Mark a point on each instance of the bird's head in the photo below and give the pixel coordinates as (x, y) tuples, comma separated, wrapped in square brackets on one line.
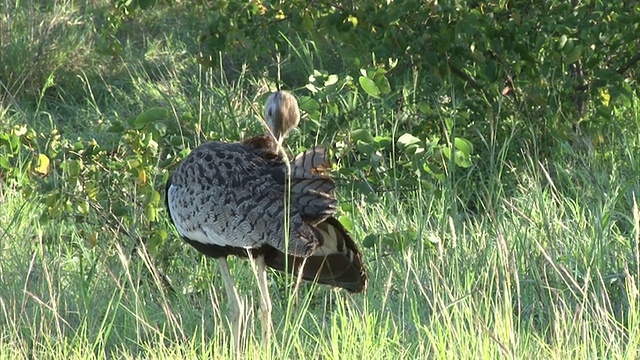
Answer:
[(282, 114)]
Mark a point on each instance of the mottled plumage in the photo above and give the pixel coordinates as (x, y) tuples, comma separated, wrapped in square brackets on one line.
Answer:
[(227, 198), (232, 199)]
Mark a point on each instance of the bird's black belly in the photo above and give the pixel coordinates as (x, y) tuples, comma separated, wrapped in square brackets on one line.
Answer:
[(217, 251)]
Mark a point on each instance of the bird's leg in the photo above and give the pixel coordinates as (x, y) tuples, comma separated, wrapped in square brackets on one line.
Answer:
[(236, 307), (296, 288), (260, 271)]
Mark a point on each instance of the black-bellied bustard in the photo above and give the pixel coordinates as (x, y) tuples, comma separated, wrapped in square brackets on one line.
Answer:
[(242, 199)]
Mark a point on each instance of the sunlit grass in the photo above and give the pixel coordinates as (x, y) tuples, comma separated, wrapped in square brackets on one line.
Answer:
[(487, 296)]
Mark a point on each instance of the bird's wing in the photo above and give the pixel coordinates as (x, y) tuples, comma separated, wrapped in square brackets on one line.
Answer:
[(312, 191), (225, 194)]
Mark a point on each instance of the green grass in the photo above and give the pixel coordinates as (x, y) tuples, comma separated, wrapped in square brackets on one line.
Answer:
[(546, 267)]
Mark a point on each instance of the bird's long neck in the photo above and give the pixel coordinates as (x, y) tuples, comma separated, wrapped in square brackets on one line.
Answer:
[(277, 129)]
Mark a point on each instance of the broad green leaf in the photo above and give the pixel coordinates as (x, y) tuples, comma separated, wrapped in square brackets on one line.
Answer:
[(624, 100), (447, 152), (14, 144), (346, 206), (463, 145), (366, 149), (574, 55), (380, 72), (449, 124), (362, 135), (370, 240), (382, 141), (369, 86), (151, 212), (177, 140), (154, 198), (73, 167), (407, 139), (410, 144), (184, 152), (308, 104), (460, 158), (568, 46), (4, 162), (346, 222), (151, 115), (383, 84), (156, 240)]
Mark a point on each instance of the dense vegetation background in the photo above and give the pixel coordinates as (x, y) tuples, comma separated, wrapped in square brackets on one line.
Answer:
[(487, 155)]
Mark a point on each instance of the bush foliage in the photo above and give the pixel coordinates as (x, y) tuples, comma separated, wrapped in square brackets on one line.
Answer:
[(446, 83)]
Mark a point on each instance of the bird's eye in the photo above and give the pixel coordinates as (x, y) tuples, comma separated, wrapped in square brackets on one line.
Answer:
[(270, 113)]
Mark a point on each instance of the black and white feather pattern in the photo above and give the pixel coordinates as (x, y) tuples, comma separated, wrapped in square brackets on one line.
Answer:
[(229, 198)]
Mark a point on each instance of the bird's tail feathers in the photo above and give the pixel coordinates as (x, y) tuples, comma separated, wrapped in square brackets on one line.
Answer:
[(337, 261)]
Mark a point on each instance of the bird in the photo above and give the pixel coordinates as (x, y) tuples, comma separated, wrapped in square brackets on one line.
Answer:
[(247, 199)]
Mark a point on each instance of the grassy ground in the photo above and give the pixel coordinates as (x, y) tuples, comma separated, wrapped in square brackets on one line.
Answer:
[(547, 267)]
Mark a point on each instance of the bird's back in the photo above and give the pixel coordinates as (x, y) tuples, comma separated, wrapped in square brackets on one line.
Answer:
[(225, 194), (230, 198)]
